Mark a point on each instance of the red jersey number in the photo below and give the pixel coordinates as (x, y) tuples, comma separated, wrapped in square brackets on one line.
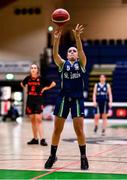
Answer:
[(33, 88)]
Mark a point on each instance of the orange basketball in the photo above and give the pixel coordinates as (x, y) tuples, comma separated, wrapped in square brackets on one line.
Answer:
[(60, 16)]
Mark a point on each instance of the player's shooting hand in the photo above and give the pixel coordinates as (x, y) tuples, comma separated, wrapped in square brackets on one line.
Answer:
[(57, 33), (79, 29)]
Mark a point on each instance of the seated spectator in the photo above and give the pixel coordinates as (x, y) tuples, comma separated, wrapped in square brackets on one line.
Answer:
[(12, 114)]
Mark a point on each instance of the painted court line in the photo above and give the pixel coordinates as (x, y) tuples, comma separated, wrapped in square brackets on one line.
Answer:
[(76, 162), (54, 170)]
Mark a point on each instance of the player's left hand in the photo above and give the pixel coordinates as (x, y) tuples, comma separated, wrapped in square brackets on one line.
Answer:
[(58, 32), (110, 105), (44, 89), (79, 29)]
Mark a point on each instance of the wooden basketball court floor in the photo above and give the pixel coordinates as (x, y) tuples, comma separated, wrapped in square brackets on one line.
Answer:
[(107, 155)]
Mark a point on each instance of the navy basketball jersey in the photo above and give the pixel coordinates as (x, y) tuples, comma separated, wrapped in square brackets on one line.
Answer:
[(72, 79), (102, 92)]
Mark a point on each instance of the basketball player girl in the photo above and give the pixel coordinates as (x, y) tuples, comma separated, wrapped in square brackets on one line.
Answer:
[(71, 95), (36, 85), (102, 100)]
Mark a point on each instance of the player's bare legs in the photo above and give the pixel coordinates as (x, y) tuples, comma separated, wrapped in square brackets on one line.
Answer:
[(34, 130), (58, 127), (96, 121), (104, 123), (34, 127), (79, 130), (38, 118), (78, 124)]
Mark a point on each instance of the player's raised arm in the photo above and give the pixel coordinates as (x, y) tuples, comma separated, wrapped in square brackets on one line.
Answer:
[(77, 32), (57, 58)]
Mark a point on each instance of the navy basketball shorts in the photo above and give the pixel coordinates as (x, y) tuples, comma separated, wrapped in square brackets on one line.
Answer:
[(34, 105), (66, 104), (102, 108)]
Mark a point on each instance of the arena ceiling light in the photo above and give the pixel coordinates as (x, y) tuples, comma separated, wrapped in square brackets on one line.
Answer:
[(50, 28), (9, 76)]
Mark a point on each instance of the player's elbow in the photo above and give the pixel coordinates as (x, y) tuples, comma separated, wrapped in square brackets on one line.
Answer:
[(21, 85)]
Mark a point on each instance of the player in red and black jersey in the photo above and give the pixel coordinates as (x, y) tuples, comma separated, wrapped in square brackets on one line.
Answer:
[(36, 85)]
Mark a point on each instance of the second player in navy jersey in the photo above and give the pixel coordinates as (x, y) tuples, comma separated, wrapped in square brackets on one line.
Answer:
[(71, 95), (102, 99)]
